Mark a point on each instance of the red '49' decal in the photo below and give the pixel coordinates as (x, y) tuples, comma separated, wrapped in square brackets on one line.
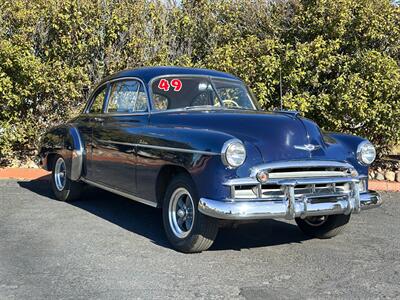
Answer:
[(165, 85)]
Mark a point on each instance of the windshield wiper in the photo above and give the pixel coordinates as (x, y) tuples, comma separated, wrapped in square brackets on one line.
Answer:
[(202, 106)]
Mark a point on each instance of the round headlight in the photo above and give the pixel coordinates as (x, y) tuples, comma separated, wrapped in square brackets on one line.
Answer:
[(366, 153), (233, 153)]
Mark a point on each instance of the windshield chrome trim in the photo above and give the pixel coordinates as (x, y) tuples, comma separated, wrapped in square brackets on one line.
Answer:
[(202, 109)]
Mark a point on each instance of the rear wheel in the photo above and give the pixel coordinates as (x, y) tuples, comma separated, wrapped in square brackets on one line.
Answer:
[(323, 227), (187, 230), (64, 188)]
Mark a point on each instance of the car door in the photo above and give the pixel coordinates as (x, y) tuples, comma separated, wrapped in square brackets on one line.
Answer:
[(116, 134)]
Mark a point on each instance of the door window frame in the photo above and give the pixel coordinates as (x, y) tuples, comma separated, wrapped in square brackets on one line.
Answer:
[(115, 113), (93, 97), (108, 91)]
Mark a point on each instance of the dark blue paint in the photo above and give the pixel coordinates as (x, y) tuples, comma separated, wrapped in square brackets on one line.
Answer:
[(268, 136)]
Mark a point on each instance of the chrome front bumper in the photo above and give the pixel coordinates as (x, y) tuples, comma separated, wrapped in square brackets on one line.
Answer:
[(290, 207)]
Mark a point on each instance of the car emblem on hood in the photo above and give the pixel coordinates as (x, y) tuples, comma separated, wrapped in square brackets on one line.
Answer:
[(307, 147)]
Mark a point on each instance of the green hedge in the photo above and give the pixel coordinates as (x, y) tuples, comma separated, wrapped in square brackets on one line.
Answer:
[(340, 60)]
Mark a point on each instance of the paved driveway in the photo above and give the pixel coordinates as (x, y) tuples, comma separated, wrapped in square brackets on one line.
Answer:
[(108, 247)]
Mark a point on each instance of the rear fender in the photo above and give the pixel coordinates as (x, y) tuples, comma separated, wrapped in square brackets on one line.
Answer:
[(65, 141)]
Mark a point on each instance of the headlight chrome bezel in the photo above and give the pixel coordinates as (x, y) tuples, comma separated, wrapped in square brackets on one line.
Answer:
[(361, 153), (228, 145)]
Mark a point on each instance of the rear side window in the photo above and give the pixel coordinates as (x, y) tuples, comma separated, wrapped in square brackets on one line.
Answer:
[(97, 103), (127, 96)]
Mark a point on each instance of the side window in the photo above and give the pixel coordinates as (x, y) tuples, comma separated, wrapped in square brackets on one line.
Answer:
[(126, 97), (97, 103)]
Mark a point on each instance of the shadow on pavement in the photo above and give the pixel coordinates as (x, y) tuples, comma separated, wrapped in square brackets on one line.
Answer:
[(147, 221)]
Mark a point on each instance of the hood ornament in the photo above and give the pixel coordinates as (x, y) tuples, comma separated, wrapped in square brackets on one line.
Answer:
[(307, 147)]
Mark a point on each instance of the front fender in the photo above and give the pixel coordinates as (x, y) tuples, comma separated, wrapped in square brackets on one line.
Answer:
[(350, 143), (204, 163), (210, 182)]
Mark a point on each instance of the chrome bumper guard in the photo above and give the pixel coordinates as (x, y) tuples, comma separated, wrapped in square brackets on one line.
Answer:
[(294, 206)]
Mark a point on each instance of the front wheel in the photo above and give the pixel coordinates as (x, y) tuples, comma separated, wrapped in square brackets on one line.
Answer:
[(64, 188), (186, 228), (323, 227)]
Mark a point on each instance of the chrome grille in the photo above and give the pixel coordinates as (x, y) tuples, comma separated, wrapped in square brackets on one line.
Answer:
[(309, 178), (269, 191)]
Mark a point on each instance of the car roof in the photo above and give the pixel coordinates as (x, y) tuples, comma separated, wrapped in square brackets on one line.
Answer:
[(148, 73)]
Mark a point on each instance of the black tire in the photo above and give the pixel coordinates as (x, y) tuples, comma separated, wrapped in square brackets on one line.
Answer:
[(203, 230), (332, 226), (71, 190)]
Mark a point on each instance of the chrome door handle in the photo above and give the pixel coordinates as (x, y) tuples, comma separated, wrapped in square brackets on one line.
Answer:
[(98, 120)]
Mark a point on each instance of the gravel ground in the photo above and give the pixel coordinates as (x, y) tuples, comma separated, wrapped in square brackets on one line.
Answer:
[(108, 247)]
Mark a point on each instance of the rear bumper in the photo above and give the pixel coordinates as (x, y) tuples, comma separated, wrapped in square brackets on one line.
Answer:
[(305, 207)]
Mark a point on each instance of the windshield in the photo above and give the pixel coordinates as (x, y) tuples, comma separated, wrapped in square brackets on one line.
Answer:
[(193, 92)]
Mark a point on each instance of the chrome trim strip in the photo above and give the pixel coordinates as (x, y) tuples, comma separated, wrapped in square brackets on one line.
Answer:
[(299, 164), (242, 181), (120, 193), (76, 154), (256, 210), (303, 174), (324, 180), (178, 149), (117, 143), (161, 147), (292, 181)]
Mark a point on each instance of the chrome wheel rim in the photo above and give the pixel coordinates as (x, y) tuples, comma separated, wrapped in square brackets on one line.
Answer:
[(316, 221), (181, 213), (60, 174)]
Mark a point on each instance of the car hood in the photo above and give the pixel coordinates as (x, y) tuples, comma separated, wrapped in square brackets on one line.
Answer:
[(277, 135)]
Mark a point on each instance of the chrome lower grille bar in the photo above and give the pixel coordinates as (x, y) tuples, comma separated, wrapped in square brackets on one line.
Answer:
[(293, 164), (292, 181)]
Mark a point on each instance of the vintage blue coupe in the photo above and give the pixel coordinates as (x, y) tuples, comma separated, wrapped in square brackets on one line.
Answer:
[(194, 143)]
